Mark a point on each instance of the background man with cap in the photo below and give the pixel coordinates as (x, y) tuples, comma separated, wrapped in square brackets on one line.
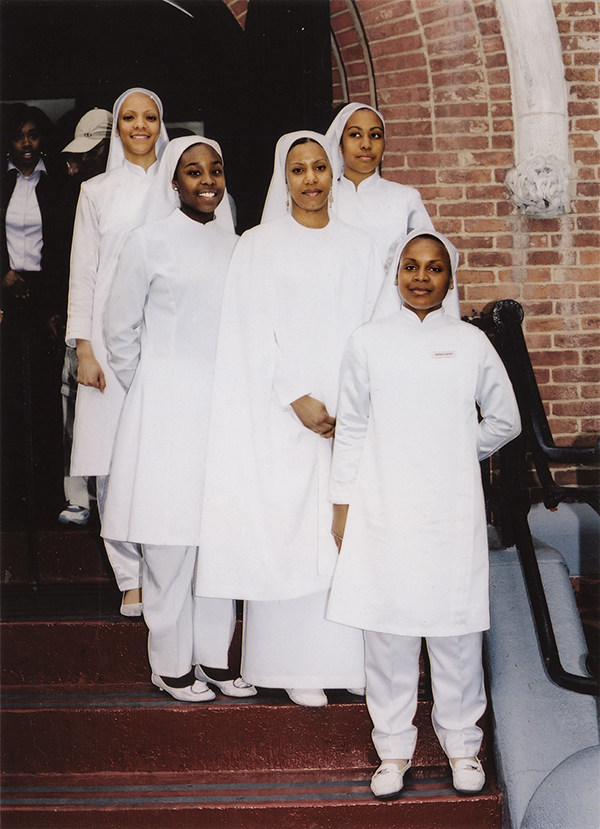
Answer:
[(85, 156)]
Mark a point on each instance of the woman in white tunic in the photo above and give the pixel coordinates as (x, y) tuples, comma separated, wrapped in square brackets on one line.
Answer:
[(297, 286), (414, 559), (385, 209), (109, 207), (160, 329)]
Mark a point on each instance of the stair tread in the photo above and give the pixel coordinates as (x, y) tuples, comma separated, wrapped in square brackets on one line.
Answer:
[(144, 695), (213, 788)]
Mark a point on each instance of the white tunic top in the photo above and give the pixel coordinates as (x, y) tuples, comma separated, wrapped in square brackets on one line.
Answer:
[(292, 298), (110, 207), (414, 560), (163, 312), (387, 210)]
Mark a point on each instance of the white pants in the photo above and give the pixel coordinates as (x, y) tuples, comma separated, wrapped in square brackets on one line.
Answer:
[(290, 644), (392, 668), (184, 629), (124, 556)]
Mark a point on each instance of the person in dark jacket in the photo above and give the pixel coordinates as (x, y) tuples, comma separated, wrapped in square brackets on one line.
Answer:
[(31, 336)]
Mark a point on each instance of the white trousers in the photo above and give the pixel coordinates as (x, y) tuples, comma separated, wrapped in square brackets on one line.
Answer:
[(392, 668), (290, 644), (183, 629), (124, 556)]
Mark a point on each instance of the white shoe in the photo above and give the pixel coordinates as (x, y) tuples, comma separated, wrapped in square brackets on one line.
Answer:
[(74, 514), (359, 692), (198, 692), (468, 776), (312, 697), (230, 687), (388, 780), (131, 609)]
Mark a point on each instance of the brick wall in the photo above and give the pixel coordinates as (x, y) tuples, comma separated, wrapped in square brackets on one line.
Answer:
[(441, 80)]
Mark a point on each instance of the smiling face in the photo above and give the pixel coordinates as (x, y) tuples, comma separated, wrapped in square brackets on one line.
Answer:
[(308, 175), (362, 145), (424, 275), (138, 127), (200, 181), (25, 148)]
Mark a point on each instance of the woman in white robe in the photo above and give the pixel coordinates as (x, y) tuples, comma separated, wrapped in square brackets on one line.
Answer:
[(160, 328), (110, 206), (414, 559), (386, 209), (297, 286)]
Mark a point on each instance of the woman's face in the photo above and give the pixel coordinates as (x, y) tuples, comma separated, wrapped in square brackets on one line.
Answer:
[(362, 144), (309, 177), (200, 182), (138, 126), (424, 275), (26, 146)]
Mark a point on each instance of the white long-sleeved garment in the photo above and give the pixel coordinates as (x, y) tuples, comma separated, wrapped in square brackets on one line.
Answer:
[(385, 209), (293, 296), (160, 325), (414, 561), (110, 207)]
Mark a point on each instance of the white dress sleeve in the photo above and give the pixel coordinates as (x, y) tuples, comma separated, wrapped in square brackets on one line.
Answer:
[(352, 420), (124, 311), (418, 217), (500, 422), (84, 270)]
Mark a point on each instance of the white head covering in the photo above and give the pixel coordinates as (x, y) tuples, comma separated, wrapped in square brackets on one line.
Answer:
[(336, 128), (276, 203), (164, 199), (116, 154), (451, 303)]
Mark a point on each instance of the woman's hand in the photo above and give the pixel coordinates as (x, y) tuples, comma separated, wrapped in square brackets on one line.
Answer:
[(14, 283), (314, 415), (338, 524), (89, 370)]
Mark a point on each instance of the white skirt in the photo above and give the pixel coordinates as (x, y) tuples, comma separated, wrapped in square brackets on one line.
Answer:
[(290, 644)]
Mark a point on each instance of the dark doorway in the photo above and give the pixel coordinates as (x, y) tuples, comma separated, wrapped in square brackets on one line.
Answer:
[(247, 87)]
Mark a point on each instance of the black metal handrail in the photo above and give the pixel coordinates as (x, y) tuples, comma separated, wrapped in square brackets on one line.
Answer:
[(515, 500), (507, 316)]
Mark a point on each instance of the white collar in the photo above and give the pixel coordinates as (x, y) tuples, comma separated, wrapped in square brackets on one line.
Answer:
[(40, 167)]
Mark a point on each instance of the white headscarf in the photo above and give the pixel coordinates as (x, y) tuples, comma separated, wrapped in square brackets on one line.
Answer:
[(276, 203), (336, 129), (116, 154), (164, 199), (451, 303)]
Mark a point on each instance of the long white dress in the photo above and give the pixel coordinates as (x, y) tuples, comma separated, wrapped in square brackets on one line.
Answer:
[(164, 305), (414, 561), (293, 296), (110, 207)]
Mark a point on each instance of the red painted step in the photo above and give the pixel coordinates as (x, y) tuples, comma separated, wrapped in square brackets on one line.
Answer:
[(89, 743), (243, 800), (138, 728)]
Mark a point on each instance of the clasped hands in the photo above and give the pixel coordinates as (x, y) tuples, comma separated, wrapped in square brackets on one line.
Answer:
[(314, 415)]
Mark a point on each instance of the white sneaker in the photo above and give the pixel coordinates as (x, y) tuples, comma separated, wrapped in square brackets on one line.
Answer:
[(312, 697), (388, 780), (468, 776), (230, 687), (74, 514)]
